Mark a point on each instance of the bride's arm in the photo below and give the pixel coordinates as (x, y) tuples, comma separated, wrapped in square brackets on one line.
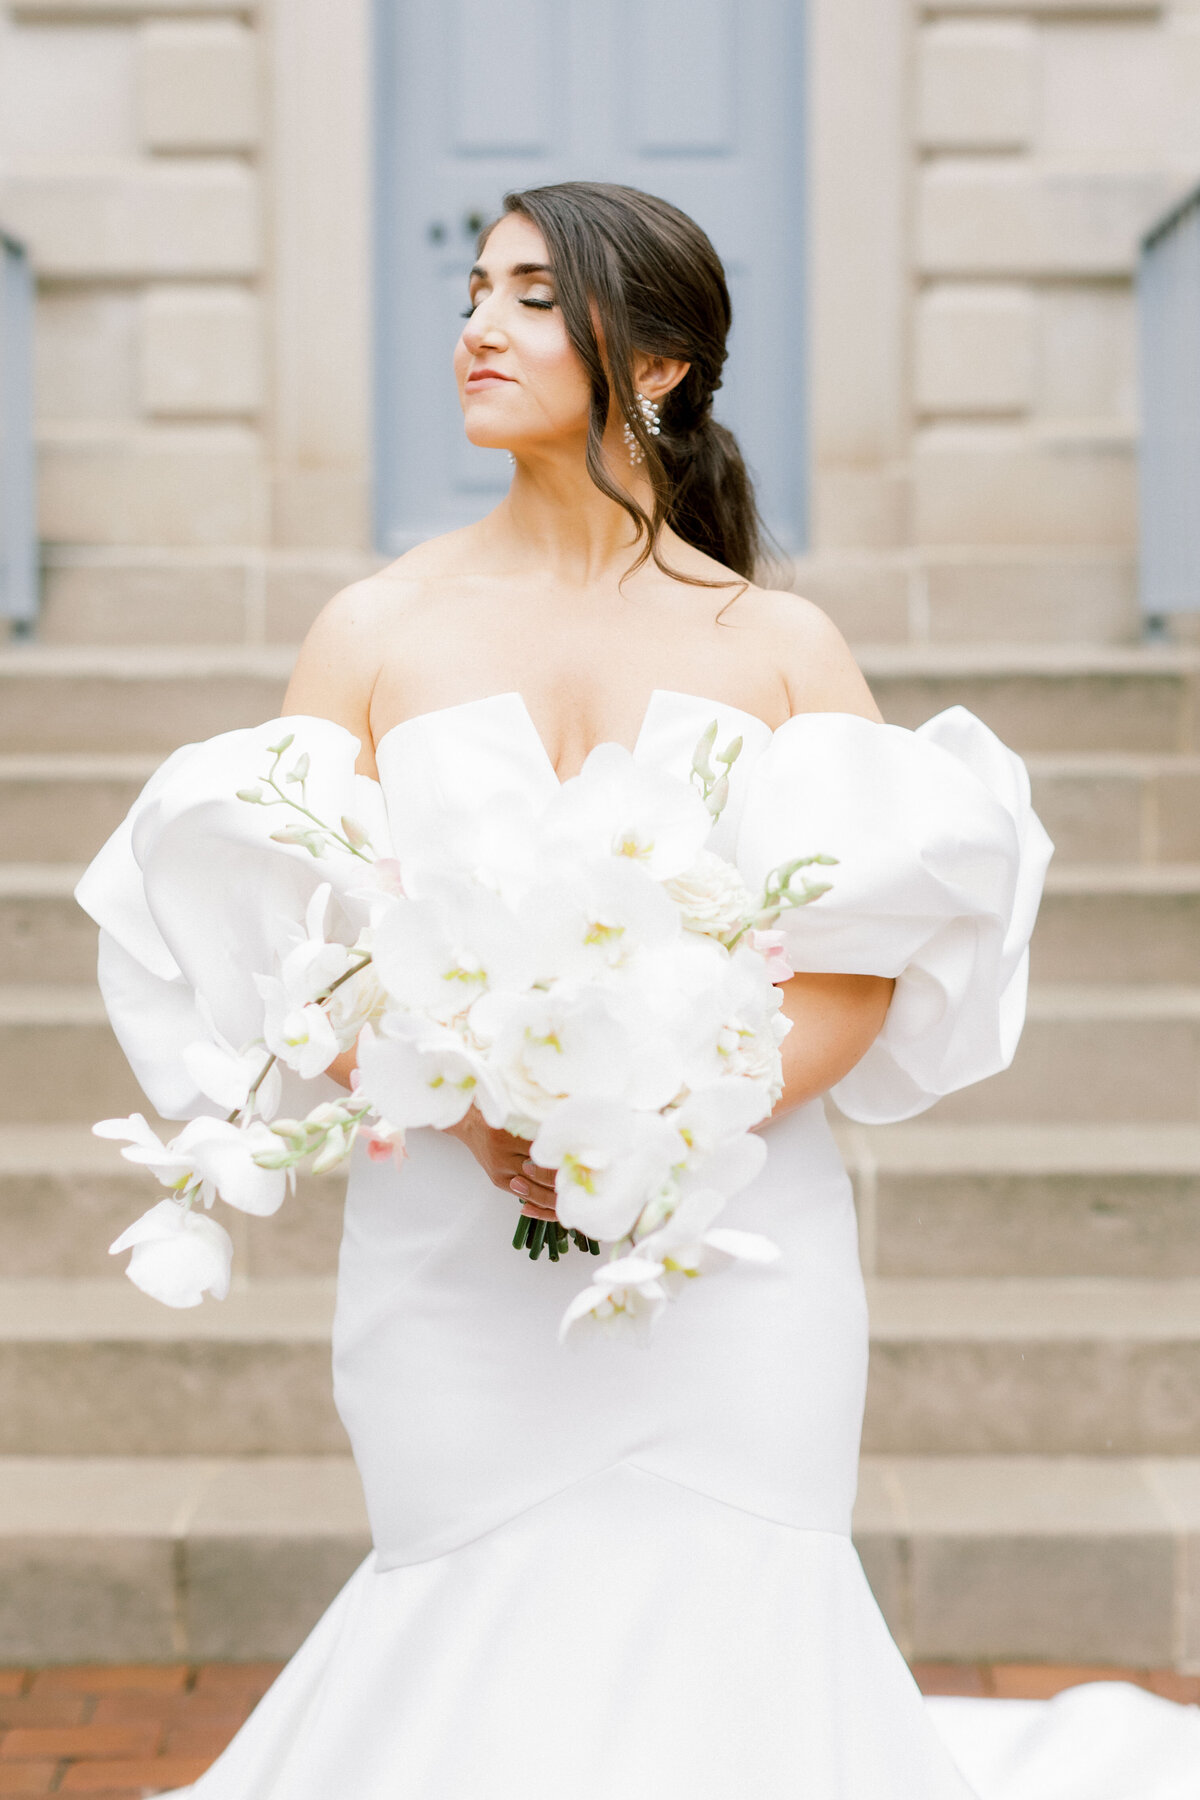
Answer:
[(835, 1020)]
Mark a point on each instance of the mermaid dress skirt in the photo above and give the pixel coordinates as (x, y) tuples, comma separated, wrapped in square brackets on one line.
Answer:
[(622, 1565)]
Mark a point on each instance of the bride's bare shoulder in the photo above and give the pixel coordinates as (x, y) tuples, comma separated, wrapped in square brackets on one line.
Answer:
[(814, 659)]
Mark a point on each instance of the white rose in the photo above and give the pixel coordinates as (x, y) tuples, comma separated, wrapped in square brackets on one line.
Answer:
[(711, 895)]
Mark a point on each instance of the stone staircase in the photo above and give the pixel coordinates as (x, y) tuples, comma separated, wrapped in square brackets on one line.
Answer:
[(178, 1483)]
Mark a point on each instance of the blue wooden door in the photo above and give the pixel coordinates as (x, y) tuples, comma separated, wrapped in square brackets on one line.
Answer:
[(700, 101)]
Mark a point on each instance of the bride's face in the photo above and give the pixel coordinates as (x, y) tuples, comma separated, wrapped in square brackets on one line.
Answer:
[(520, 380)]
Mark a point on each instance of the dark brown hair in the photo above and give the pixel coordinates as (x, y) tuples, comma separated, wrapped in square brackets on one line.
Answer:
[(657, 286)]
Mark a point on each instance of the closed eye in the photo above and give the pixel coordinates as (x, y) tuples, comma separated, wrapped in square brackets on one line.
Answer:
[(541, 305)]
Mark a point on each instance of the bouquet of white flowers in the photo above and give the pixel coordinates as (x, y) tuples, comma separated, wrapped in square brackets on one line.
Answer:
[(590, 976)]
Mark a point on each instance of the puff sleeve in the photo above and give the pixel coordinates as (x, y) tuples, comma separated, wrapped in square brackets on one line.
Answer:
[(941, 862), (190, 893)]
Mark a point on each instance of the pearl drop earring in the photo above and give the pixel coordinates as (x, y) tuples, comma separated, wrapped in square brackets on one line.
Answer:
[(651, 413)]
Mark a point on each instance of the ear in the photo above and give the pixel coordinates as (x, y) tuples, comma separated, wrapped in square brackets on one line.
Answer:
[(655, 376)]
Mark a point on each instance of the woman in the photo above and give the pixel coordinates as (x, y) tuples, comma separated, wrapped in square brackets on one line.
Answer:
[(612, 1567)]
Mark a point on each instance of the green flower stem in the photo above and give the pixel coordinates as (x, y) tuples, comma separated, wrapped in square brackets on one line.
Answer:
[(552, 1242), (537, 1238), (521, 1234)]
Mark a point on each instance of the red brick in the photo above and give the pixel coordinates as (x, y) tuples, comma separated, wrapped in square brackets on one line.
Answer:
[(44, 1709), (216, 1709), (1041, 1681), (1184, 1688), (12, 1681), (80, 1740), (951, 1678), (156, 1774), (27, 1777), (105, 1678), (197, 1740), (252, 1679)]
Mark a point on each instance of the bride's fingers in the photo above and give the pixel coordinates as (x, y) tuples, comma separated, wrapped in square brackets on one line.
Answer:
[(542, 1177)]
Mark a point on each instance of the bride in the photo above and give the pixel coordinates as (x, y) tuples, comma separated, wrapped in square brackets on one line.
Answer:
[(617, 1567)]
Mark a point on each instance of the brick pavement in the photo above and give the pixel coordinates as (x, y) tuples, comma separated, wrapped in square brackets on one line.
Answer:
[(123, 1733)]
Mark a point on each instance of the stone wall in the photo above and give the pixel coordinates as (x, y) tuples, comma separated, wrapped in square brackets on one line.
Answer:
[(193, 177)]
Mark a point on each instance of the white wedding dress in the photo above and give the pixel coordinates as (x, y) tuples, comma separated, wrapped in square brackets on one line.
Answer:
[(614, 1568)]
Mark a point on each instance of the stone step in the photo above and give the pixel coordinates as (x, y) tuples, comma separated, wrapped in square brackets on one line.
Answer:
[(97, 1368), (1022, 1200), (66, 1195), (1104, 1054), (964, 1365), (1043, 1366), (1112, 922), (1100, 1053), (60, 807), (1083, 1560), (933, 1200), (1038, 697), (1119, 922), (44, 936), (1105, 806)]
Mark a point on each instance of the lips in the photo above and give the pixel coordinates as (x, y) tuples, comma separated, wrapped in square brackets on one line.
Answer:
[(478, 377)]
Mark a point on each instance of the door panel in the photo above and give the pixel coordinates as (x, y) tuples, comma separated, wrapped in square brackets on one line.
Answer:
[(699, 101)]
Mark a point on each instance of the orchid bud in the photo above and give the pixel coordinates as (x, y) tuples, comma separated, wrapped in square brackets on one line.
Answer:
[(716, 801), (701, 764), (355, 833), (730, 753), (252, 796), (299, 771), (337, 1148), (284, 743)]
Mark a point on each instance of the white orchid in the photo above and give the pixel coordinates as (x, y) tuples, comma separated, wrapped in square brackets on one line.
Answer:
[(178, 1255), (544, 1047), (297, 1028), (438, 955), (608, 1160), (680, 1244), (213, 1155), (629, 1287), (415, 1073), (597, 919), (616, 806)]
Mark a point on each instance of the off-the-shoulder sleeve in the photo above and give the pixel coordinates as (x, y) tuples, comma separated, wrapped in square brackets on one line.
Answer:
[(941, 861), (190, 892)]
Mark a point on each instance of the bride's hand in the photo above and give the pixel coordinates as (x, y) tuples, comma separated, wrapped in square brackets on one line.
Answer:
[(504, 1159)]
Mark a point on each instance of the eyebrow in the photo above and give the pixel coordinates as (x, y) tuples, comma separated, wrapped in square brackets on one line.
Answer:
[(517, 269)]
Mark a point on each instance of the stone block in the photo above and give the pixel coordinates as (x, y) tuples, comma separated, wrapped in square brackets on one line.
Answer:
[(85, 355), (67, 90), (859, 508), (996, 485), (1083, 1058), (976, 218), (42, 931), (1046, 599), (975, 349), (1091, 813), (867, 598), (172, 219), (1122, 928), (197, 485), (1119, 90), (1047, 1598), (63, 1598), (321, 509), (1177, 795), (142, 602), (62, 810), (201, 352), (59, 1059), (1087, 354), (133, 701), (261, 1599), (1116, 1222), (54, 10), (976, 86), (198, 85)]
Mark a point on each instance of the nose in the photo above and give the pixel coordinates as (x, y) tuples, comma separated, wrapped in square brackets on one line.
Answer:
[(481, 330)]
